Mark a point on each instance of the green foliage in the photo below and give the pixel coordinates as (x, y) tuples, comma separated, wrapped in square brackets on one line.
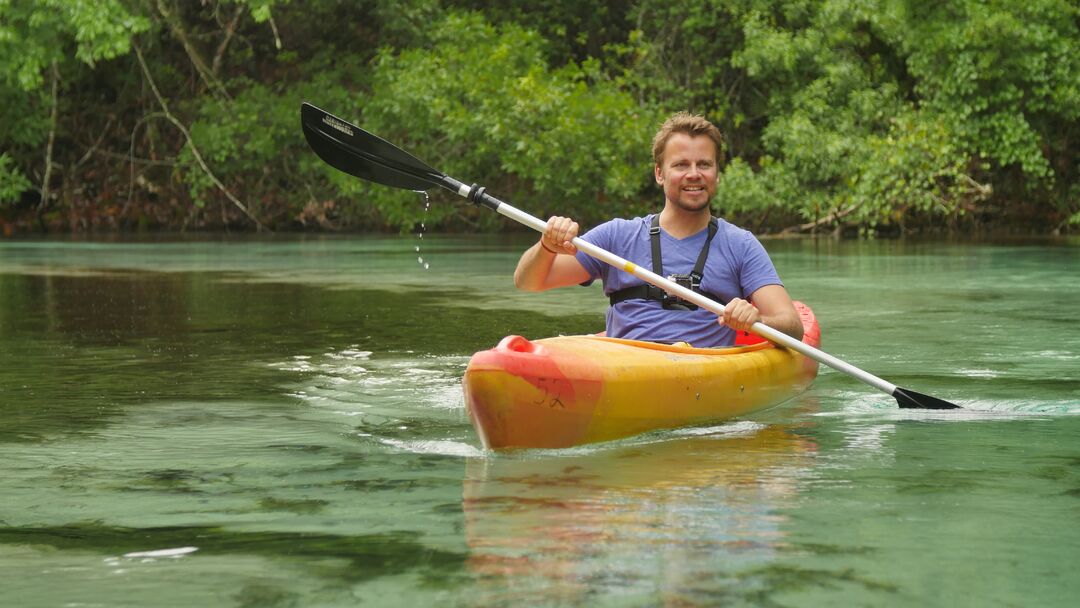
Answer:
[(12, 182), (22, 125), (880, 114), (260, 9), (36, 33), (743, 191), (253, 142), (1012, 78), (573, 31), (483, 104), (36, 38), (404, 23), (885, 109), (914, 167), (25, 127)]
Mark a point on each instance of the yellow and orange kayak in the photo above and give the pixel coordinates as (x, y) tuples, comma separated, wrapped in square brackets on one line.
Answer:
[(570, 390)]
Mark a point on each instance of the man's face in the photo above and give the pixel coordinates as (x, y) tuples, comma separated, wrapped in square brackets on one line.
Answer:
[(688, 172)]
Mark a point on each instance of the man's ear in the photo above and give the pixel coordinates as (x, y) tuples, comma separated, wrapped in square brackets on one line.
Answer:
[(659, 174)]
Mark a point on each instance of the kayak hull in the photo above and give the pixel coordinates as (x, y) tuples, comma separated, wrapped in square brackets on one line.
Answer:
[(571, 390)]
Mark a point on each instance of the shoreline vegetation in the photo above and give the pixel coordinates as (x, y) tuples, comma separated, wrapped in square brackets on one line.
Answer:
[(876, 118)]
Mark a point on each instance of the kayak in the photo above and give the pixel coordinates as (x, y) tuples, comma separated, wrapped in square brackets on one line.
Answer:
[(571, 390)]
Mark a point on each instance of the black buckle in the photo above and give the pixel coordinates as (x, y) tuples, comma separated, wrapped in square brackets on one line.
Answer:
[(670, 302)]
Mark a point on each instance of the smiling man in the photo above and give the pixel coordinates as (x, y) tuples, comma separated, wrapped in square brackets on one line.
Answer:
[(683, 243)]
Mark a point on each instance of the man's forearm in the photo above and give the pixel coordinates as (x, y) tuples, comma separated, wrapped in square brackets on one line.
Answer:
[(533, 268), (790, 324)]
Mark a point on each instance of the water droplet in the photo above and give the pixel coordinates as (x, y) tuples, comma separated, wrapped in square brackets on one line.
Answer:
[(423, 227)]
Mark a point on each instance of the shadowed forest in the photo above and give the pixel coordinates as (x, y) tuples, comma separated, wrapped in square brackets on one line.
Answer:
[(847, 117)]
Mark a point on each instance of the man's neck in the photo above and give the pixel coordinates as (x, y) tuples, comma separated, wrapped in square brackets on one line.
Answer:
[(681, 223)]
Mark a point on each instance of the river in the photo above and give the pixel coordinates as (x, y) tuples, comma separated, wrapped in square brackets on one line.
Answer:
[(278, 421)]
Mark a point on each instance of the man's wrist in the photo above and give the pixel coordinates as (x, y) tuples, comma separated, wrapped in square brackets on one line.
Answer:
[(546, 248)]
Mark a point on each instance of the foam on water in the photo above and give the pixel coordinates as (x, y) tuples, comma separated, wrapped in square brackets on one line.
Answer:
[(442, 448), (878, 405)]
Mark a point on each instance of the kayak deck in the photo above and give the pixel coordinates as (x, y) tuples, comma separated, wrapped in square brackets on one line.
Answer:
[(570, 390)]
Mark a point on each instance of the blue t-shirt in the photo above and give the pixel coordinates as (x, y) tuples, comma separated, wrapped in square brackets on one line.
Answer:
[(737, 266)]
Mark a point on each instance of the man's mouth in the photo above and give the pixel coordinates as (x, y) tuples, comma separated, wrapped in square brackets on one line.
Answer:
[(693, 188)]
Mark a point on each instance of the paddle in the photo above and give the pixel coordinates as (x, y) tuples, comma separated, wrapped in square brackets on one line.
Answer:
[(352, 150)]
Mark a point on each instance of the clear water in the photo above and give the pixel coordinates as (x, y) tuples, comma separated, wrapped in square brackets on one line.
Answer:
[(279, 422)]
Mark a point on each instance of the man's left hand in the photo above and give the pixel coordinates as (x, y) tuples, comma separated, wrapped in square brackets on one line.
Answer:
[(740, 315)]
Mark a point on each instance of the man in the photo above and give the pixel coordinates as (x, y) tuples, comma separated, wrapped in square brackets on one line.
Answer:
[(710, 256)]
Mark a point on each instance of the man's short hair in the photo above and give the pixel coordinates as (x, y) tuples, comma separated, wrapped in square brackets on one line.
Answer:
[(694, 125)]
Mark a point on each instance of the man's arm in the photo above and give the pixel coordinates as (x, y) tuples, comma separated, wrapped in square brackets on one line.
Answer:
[(550, 263), (772, 306)]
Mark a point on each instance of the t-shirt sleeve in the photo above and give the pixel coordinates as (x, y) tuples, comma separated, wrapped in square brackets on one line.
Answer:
[(757, 268), (601, 237)]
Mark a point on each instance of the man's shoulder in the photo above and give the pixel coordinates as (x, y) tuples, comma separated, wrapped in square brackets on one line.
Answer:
[(624, 222), (620, 225), (731, 229), (736, 235)]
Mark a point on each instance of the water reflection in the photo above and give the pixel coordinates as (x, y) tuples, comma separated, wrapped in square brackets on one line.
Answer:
[(660, 520)]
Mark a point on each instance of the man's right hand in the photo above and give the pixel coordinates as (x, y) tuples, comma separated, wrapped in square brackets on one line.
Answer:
[(559, 235), (541, 267)]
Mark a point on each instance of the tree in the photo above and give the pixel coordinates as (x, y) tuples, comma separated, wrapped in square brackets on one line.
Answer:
[(39, 43)]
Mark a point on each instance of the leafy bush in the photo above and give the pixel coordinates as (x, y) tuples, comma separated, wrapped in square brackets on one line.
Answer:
[(878, 114), (12, 182), (482, 104)]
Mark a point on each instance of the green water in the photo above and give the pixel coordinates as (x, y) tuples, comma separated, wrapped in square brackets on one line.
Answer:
[(279, 422)]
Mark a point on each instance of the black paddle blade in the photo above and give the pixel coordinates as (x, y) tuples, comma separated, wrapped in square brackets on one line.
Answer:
[(352, 150), (909, 399)]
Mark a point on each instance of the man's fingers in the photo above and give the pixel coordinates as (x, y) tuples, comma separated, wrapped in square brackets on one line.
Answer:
[(559, 234), (739, 315)]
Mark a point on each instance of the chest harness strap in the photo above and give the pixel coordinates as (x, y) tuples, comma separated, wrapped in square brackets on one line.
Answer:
[(691, 281)]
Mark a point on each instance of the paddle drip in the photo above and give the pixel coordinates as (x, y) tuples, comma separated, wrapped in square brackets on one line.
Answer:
[(420, 234)]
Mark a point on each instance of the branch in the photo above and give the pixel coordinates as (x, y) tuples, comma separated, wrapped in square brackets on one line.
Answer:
[(229, 30), (131, 160), (93, 147), (177, 28), (53, 119), (191, 142), (277, 38), (982, 190), (828, 219), (130, 157)]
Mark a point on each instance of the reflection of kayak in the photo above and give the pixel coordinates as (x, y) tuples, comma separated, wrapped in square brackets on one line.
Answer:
[(545, 525), (740, 454), (570, 390)]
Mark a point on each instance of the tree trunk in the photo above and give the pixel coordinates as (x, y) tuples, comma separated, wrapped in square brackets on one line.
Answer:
[(176, 26), (53, 120)]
